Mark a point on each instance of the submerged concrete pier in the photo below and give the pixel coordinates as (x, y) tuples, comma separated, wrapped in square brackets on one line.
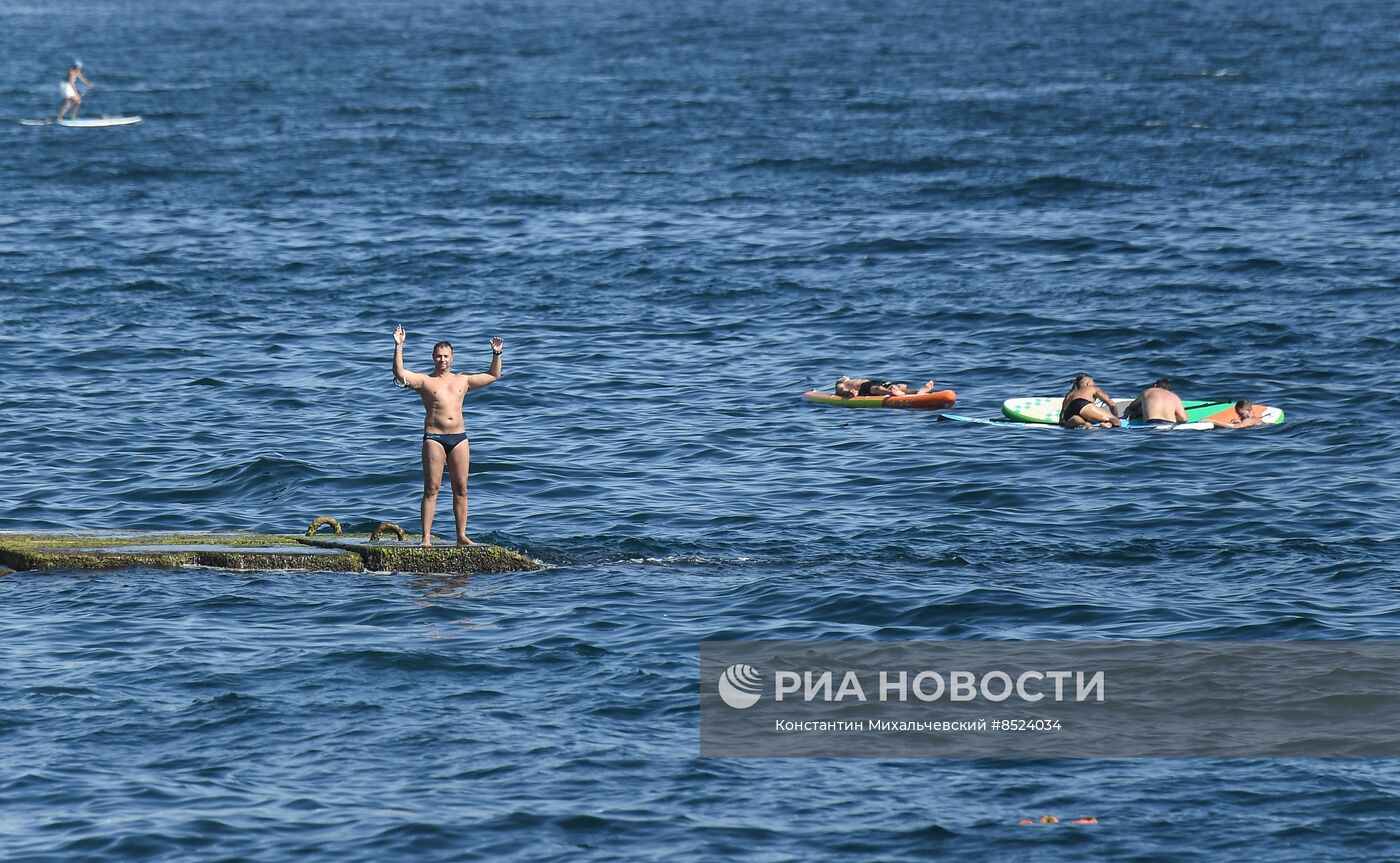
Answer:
[(251, 551)]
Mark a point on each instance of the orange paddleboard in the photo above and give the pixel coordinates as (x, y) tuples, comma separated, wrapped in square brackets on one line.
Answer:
[(926, 402)]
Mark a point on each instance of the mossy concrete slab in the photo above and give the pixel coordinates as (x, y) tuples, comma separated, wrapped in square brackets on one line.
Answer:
[(384, 556), (250, 551), (263, 559), (118, 550)]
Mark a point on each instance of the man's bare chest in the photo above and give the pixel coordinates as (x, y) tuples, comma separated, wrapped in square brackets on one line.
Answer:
[(439, 390)]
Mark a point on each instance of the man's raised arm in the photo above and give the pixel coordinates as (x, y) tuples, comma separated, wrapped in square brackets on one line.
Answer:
[(481, 379), (402, 375)]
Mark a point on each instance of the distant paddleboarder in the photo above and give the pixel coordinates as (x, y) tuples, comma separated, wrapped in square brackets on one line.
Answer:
[(444, 431), (71, 97)]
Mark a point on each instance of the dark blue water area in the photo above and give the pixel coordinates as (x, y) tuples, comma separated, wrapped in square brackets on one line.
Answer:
[(679, 216)]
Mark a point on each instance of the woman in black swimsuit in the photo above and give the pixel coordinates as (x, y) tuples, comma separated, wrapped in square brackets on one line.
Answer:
[(1079, 409)]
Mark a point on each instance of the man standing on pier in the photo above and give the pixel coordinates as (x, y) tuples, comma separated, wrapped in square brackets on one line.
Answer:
[(444, 431)]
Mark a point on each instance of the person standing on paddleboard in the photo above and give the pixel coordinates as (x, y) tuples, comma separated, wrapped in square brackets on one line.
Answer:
[(71, 97), (444, 431)]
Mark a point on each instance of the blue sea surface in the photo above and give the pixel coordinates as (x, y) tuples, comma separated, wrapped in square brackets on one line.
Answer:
[(679, 216)]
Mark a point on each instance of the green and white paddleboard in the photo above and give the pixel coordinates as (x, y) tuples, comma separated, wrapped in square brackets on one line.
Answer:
[(1033, 409), (1046, 409), (1270, 416)]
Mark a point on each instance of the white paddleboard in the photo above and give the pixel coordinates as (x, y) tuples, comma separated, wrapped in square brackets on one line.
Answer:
[(1269, 416), (1196, 426), (84, 123), (1046, 409)]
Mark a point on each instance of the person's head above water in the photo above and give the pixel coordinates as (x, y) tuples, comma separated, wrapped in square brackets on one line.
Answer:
[(442, 356), (1081, 380), (1244, 409), (1161, 384)]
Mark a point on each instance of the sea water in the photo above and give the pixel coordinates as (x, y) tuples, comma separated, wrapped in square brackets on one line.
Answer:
[(679, 216)]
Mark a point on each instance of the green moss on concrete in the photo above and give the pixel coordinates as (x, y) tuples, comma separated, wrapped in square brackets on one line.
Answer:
[(253, 560), (40, 558), (121, 538), (445, 559), (110, 551), (250, 551)]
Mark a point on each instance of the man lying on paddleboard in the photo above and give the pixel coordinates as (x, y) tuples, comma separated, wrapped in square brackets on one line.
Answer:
[(1244, 417), (849, 388)]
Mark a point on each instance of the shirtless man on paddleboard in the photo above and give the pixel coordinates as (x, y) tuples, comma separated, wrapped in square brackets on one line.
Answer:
[(444, 432), (1157, 404)]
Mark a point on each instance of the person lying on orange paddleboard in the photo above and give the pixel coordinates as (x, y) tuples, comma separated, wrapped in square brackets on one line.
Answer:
[(849, 388)]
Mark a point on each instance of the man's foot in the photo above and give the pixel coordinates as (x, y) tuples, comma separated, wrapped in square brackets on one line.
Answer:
[(427, 541), (926, 388), (462, 541)]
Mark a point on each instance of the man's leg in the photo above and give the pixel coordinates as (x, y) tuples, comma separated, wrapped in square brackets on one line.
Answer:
[(433, 458), (459, 463)]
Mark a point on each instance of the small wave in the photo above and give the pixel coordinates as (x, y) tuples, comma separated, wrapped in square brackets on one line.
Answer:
[(888, 246), (919, 165), (1058, 184), (510, 198), (690, 559), (1255, 265)]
